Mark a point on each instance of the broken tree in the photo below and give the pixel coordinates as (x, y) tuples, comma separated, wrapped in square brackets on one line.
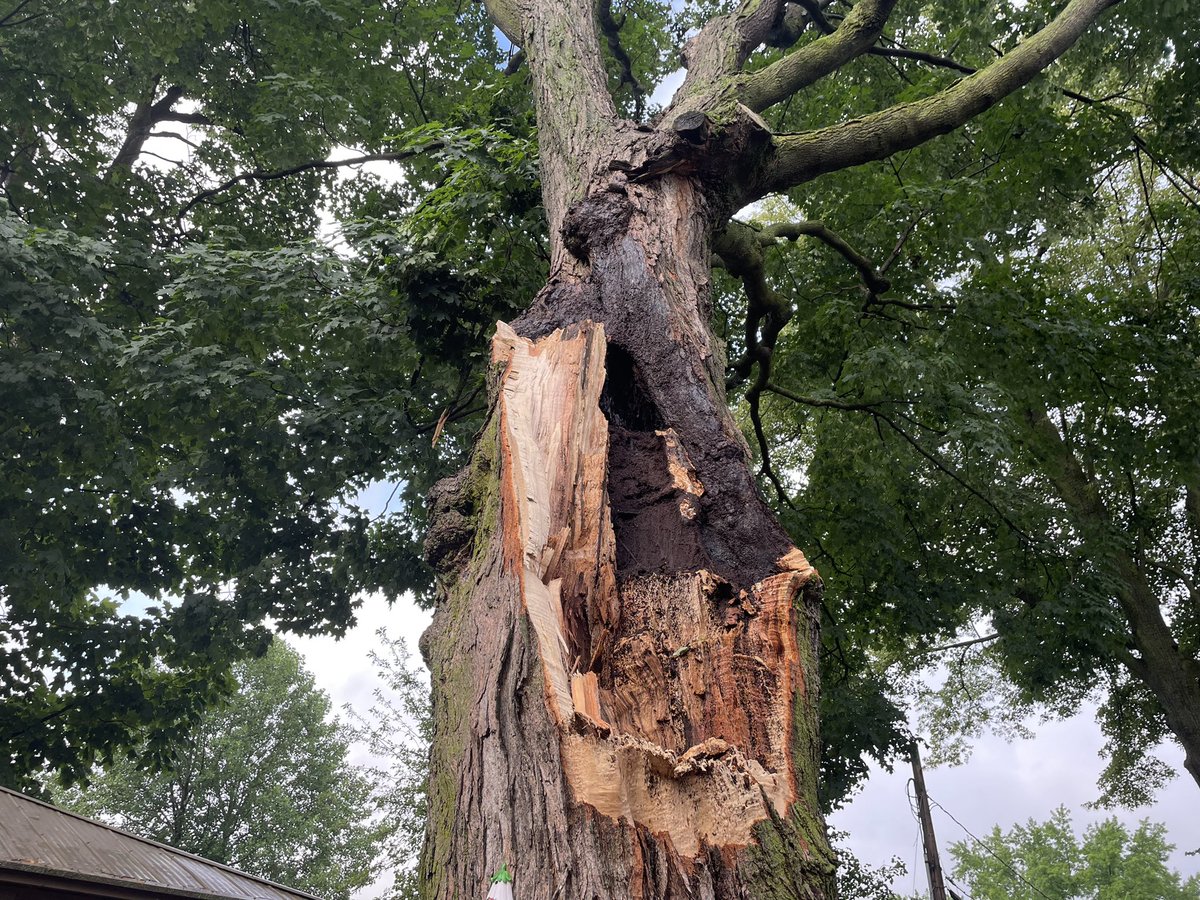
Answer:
[(625, 690)]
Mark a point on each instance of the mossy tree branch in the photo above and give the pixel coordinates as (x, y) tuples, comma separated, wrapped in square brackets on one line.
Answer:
[(726, 42), (783, 78), (798, 158)]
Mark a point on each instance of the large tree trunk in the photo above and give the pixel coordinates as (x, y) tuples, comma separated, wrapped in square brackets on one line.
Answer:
[(625, 688), (625, 660)]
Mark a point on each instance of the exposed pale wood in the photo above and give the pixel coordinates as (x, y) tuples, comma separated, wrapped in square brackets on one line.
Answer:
[(671, 695), (585, 692), (554, 442), (699, 697)]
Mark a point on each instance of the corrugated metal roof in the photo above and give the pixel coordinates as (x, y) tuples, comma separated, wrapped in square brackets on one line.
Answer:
[(35, 837)]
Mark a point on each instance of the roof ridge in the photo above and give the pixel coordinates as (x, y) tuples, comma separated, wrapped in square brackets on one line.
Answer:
[(157, 844)]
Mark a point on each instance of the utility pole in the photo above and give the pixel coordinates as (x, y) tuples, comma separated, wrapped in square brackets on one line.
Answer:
[(937, 887)]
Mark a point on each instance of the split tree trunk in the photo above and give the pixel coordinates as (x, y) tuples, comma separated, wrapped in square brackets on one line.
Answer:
[(625, 688)]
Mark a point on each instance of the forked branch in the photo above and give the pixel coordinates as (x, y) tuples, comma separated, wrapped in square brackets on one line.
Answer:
[(802, 157), (800, 68), (610, 28), (312, 165), (872, 279), (726, 42)]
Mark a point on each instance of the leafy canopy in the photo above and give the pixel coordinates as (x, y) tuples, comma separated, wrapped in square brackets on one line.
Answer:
[(260, 783), (1047, 859), (213, 339)]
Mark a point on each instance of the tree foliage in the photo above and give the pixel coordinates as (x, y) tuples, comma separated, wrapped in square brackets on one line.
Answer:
[(1046, 859), (260, 783), (995, 442), (196, 386), (200, 376)]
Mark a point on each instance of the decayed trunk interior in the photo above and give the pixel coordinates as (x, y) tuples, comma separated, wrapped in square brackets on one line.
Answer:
[(624, 700)]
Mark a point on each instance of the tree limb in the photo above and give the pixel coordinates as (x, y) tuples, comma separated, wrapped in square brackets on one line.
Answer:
[(969, 642), (792, 231), (185, 118), (515, 62), (726, 42), (739, 248), (783, 78), (1100, 103), (506, 15), (611, 30), (941, 62), (802, 157), (7, 20), (311, 165), (816, 13), (146, 115)]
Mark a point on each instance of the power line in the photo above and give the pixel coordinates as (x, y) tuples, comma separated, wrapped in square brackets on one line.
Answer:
[(961, 894), (1033, 887)]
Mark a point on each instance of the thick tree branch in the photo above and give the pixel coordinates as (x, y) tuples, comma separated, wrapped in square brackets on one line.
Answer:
[(576, 118), (146, 115), (853, 37), (506, 15), (726, 42), (802, 157), (611, 30), (185, 118), (1099, 103)]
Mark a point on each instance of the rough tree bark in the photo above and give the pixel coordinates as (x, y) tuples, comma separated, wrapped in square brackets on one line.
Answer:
[(624, 659)]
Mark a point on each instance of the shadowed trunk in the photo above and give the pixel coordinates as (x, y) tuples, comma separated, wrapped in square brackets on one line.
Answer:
[(625, 683)]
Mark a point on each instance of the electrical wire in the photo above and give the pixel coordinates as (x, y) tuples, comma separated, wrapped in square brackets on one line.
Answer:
[(1033, 887), (961, 893)]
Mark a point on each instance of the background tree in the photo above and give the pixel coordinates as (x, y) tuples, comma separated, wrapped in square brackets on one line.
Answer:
[(1040, 860), (397, 730), (260, 783)]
